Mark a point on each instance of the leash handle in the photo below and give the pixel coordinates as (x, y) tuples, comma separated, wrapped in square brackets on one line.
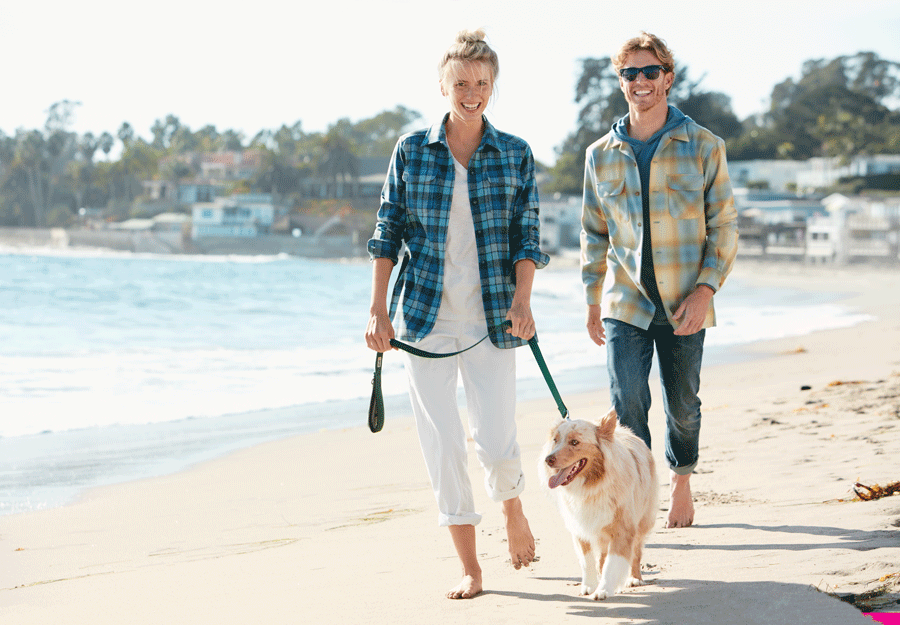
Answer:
[(376, 402)]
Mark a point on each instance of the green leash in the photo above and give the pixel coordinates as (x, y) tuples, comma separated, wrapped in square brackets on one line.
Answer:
[(376, 403)]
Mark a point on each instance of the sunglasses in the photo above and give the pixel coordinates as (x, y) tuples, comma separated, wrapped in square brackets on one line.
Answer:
[(650, 71)]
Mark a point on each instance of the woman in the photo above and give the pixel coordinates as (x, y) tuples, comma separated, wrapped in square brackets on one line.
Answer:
[(462, 198)]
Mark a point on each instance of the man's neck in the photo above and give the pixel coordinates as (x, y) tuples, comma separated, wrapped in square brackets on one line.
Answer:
[(644, 124)]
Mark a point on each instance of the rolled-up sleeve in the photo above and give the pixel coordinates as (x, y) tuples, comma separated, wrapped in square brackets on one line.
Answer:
[(721, 220), (594, 236), (525, 228), (391, 218)]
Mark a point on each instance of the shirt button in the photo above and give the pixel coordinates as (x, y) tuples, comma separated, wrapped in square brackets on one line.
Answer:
[(637, 193)]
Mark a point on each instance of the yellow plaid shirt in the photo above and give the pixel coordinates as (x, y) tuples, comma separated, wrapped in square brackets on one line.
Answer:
[(693, 223)]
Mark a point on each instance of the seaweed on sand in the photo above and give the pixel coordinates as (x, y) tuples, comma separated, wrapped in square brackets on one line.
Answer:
[(870, 493)]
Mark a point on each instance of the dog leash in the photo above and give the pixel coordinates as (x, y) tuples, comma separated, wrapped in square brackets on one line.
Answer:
[(376, 403)]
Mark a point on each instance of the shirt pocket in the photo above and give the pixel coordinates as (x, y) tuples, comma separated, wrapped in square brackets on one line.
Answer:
[(422, 189), (685, 195), (500, 192), (612, 199)]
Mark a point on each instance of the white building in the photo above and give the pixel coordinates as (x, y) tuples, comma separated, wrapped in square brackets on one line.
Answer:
[(854, 229), (235, 216)]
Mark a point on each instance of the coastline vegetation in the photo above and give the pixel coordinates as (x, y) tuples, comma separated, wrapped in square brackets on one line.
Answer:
[(841, 107)]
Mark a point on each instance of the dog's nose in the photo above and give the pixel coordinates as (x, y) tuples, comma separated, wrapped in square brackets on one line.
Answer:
[(550, 460)]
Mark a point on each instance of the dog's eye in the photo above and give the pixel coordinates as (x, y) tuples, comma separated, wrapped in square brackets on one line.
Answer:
[(574, 442)]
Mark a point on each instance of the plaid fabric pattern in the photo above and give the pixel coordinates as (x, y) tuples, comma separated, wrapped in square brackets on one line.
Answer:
[(415, 210), (693, 223)]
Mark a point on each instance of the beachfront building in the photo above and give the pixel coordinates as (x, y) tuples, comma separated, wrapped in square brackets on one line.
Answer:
[(855, 229), (247, 215), (774, 175)]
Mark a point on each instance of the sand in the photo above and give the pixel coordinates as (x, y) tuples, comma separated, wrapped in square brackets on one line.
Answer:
[(340, 526)]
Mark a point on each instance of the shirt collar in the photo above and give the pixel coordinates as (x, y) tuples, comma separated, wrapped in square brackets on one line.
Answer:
[(437, 133), (678, 133)]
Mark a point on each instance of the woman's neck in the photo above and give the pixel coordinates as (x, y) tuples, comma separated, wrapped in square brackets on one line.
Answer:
[(463, 138)]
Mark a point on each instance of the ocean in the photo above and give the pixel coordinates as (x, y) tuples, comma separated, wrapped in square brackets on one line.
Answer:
[(117, 366)]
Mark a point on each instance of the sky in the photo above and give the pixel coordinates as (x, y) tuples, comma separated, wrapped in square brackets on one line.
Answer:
[(257, 65)]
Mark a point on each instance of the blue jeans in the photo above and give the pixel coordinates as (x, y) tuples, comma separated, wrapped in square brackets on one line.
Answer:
[(629, 353)]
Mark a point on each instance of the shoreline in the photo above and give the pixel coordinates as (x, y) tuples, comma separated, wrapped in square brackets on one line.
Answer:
[(339, 525)]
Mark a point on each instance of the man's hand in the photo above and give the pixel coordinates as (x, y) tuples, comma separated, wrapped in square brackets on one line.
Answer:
[(692, 311), (594, 325)]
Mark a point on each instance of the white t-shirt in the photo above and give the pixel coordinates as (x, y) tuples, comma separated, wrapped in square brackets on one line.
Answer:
[(461, 295)]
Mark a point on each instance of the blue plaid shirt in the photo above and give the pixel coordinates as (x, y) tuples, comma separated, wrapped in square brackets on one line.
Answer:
[(415, 210)]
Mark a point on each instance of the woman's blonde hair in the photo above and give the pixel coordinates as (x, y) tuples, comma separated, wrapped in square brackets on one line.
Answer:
[(469, 46)]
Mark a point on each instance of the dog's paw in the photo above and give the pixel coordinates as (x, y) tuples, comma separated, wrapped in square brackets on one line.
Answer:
[(585, 590), (600, 595), (634, 582)]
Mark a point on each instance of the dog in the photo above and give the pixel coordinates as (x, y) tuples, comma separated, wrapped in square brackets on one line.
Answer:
[(604, 480)]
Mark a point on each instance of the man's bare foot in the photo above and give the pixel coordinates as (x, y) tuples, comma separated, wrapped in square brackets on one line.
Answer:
[(681, 506), (518, 534), (468, 588)]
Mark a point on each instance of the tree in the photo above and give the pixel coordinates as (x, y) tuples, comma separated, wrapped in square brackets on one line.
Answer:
[(376, 136), (713, 111), (125, 135), (232, 140), (833, 109), (163, 130), (340, 165)]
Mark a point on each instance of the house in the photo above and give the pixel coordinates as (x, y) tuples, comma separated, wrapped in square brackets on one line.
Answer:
[(855, 229), (183, 192), (777, 175), (246, 215), (230, 165)]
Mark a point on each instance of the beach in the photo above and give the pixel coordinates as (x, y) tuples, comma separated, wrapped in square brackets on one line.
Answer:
[(339, 526)]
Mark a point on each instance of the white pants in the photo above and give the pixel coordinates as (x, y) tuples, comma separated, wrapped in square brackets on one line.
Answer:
[(489, 380)]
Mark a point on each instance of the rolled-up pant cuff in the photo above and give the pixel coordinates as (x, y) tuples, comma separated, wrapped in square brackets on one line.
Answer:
[(446, 520), (686, 470)]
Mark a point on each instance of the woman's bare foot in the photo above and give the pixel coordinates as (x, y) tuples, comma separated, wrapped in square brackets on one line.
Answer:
[(681, 506), (464, 541), (468, 587), (518, 534)]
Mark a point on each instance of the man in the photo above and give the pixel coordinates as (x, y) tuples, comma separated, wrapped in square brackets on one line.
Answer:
[(659, 236)]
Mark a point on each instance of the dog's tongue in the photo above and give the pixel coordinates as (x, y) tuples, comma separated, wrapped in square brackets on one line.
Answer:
[(559, 478)]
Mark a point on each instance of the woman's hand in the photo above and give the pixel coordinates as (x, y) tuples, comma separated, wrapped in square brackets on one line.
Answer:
[(522, 321), (379, 332)]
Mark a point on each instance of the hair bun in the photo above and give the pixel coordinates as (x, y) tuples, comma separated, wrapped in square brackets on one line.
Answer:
[(471, 36)]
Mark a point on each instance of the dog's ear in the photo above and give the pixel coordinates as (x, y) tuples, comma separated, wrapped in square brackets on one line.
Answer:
[(607, 425), (612, 414)]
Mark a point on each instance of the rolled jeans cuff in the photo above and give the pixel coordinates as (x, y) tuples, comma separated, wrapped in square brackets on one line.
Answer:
[(686, 470)]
